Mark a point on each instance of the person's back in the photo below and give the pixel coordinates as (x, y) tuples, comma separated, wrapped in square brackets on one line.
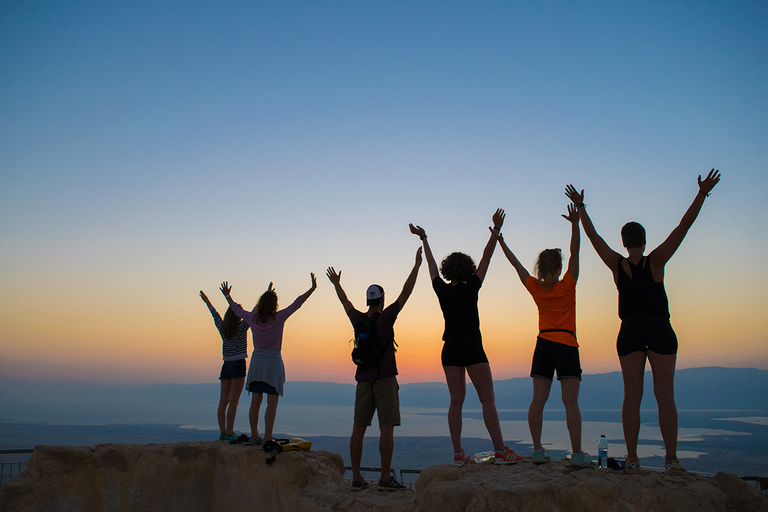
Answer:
[(640, 294)]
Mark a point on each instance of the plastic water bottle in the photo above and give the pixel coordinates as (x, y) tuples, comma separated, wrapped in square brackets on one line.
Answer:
[(602, 452), (485, 457)]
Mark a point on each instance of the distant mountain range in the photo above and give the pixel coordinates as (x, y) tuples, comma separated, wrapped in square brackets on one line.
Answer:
[(712, 388)]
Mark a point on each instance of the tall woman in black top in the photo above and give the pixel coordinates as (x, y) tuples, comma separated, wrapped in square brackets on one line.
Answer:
[(463, 348), (644, 311)]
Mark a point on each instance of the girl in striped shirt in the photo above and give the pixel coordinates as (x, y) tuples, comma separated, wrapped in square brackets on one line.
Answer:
[(234, 348)]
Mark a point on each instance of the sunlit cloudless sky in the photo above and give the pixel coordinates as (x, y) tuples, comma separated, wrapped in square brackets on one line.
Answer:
[(149, 150)]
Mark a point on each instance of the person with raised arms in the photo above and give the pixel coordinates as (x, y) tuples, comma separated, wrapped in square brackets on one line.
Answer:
[(267, 371), (646, 333), (556, 345), (377, 387), (463, 352)]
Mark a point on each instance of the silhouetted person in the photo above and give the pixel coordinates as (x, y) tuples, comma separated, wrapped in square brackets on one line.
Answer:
[(556, 345), (377, 388), (646, 332), (267, 372), (463, 351)]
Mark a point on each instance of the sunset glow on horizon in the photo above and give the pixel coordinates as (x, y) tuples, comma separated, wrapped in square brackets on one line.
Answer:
[(149, 151)]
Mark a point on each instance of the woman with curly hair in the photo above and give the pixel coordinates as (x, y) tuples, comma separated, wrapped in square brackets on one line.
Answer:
[(556, 345), (463, 344), (267, 372), (234, 349)]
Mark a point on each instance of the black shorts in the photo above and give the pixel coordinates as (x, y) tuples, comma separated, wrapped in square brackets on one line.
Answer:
[(233, 370), (463, 353), (550, 356), (644, 333)]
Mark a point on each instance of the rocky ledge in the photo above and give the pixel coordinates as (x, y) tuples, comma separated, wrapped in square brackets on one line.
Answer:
[(215, 476)]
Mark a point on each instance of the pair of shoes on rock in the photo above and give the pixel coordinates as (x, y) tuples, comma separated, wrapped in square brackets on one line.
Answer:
[(461, 458), (507, 456), (582, 460), (541, 456)]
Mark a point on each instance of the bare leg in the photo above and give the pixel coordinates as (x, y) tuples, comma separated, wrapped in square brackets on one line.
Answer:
[(356, 451), (632, 370), (483, 382), (253, 413), (235, 390), (386, 448), (570, 388), (663, 368), (226, 386), (541, 387), (269, 416), (457, 387)]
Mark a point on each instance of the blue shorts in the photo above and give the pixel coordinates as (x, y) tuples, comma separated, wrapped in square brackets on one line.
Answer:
[(550, 356), (233, 370), (260, 387), (644, 333)]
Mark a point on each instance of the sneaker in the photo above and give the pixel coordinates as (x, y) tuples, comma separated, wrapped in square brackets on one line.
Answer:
[(255, 441), (541, 456), (221, 437), (582, 460), (392, 485), (359, 485), (673, 466), (229, 437), (507, 456), (633, 465), (459, 459)]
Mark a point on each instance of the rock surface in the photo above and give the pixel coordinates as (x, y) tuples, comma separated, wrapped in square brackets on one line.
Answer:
[(214, 476)]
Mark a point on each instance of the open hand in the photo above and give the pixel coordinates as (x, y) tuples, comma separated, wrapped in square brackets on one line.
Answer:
[(418, 231), (707, 184), (575, 196), (573, 214), (498, 218), (314, 281), (225, 288), (418, 257), (333, 276)]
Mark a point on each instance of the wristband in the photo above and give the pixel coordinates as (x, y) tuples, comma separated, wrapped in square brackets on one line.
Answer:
[(423, 237), (703, 194)]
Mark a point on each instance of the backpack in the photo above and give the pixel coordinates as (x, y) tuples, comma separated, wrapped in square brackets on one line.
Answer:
[(366, 352)]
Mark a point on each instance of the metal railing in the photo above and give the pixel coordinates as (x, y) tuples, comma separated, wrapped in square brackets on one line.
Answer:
[(7, 468)]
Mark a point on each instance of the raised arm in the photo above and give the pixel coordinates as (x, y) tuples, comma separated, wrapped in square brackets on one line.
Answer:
[(664, 252), (482, 267), (573, 261), (431, 264), (335, 279), (411, 281), (312, 288), (522, 273), (609, 256), (225, 289), (205, 299)]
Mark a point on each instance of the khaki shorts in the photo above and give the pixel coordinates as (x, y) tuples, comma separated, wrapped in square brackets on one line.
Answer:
[(379, 396)]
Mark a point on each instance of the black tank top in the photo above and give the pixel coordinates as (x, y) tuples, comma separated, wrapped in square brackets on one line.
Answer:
[(640, 295)]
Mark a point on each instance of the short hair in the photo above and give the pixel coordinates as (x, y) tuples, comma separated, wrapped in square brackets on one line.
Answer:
[(633, 235), (458, 267)]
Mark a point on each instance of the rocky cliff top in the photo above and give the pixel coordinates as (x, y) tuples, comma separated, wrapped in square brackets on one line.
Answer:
[(213, 476)]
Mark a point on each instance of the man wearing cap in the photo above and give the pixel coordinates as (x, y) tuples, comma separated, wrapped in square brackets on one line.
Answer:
[(377, 388)]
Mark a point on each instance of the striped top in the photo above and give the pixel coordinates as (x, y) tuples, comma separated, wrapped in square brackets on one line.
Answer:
[(236, 348)]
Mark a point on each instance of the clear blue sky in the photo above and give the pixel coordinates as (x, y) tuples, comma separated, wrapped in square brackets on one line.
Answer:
[(151, 149)]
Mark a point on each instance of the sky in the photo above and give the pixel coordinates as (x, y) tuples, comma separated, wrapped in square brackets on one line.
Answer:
[(150, 150)]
